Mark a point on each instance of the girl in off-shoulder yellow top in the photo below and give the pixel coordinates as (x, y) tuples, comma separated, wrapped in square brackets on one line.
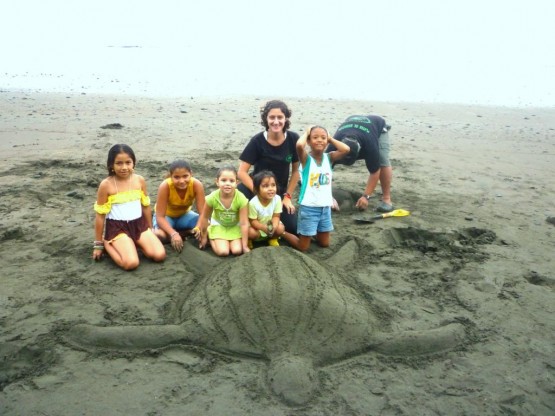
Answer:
[(123, 215)]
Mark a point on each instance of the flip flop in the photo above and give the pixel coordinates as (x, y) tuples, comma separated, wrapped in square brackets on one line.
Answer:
[(384, 207)]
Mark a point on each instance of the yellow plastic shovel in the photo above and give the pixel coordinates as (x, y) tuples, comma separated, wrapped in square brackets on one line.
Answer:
[(394, 213)]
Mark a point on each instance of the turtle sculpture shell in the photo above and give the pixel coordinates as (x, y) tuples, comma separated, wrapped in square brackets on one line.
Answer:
[(272, 301), (281, 306)]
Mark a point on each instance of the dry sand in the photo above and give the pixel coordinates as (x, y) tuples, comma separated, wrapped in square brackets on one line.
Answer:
[(477, 249)]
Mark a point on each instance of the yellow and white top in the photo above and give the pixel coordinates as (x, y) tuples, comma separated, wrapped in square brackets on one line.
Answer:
[(124, 206)]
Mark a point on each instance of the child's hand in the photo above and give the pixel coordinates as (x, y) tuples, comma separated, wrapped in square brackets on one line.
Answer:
[(98, 249), (203, 241), (196, 232), (270, 229), (177, 242)]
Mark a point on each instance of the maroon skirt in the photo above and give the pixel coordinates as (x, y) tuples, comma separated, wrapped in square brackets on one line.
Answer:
[(133, 229)]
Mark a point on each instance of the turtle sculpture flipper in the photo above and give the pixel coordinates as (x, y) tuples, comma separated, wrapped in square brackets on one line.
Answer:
[(125, 338), (410, 343), (279, 305)]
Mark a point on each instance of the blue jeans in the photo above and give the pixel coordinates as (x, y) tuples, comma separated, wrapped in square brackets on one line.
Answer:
[(313, 220), (186, 222)]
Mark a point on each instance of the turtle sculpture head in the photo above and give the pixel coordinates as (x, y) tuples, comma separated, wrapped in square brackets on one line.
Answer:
[(279, 305), (293, 379)]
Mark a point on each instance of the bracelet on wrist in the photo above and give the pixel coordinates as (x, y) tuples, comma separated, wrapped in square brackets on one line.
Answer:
[(98, 247), (287, 195), (173, 234)]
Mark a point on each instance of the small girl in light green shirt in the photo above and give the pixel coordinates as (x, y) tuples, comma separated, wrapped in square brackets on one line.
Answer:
[(227, 209)]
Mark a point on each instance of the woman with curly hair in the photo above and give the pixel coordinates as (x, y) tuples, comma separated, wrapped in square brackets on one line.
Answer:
[(273, 149)]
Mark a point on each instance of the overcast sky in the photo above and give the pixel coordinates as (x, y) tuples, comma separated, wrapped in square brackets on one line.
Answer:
[(490, 52)]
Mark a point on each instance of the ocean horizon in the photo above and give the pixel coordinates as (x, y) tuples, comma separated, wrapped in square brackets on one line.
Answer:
[(481, 53)]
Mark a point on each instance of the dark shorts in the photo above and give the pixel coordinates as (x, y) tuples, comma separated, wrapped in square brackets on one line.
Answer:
[(133, 229)]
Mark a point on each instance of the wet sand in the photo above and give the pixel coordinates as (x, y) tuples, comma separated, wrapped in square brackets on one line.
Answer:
[(476, 251)]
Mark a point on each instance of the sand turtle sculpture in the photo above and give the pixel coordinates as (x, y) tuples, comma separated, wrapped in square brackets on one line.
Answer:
[(281, 306)]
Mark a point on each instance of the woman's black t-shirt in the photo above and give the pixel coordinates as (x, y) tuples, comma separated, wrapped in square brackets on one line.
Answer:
[(277, 159)]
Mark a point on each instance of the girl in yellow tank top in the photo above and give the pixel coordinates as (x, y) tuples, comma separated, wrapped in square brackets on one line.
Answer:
[(174, 218)]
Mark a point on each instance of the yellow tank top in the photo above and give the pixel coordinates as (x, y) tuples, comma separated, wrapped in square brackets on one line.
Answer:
[(178, 206)]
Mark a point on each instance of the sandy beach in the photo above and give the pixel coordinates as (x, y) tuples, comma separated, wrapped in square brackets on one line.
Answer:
[(477, 251)]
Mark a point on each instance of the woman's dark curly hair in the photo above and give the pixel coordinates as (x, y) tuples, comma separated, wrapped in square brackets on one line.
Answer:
[(270, 105)]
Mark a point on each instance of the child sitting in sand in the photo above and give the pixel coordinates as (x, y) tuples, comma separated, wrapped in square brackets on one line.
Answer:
[(265, 209), (174, 218), (123, 214), (227, 209), (315, 197)]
